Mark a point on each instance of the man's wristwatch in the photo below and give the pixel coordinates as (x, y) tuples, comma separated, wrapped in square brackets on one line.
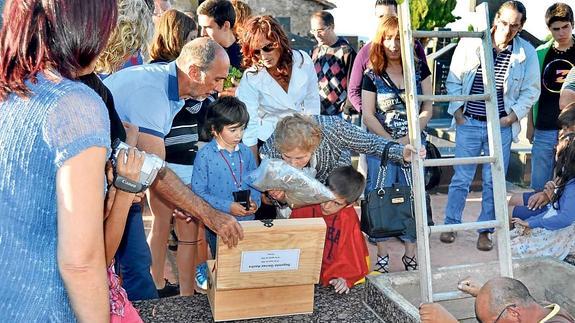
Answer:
[(127, 185)]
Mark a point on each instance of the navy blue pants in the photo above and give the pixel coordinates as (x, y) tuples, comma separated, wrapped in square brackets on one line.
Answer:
[(134, 258)]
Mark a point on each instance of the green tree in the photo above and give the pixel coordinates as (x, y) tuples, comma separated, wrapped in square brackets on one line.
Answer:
[(427, 14)]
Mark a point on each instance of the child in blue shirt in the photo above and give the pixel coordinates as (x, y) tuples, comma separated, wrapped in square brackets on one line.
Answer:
[(221, 167), (548, 231)]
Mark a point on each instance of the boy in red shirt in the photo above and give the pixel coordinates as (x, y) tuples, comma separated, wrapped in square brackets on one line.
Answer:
[(345, 252)]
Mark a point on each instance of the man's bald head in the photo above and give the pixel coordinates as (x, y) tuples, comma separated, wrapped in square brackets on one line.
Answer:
[(202, 52), (498, 294)]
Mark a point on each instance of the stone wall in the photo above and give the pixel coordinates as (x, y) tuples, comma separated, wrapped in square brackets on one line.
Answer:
[(298, 11), (185, 5)]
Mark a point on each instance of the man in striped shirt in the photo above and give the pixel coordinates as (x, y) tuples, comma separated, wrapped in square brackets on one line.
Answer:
[(517, 82)]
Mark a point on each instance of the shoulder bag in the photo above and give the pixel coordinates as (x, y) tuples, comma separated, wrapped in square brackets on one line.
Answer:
[(387, 211)]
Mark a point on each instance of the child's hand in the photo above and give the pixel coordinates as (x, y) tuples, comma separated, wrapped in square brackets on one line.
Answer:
[(253, 207), (236, 209), (132, 133), (340, 285), (130, 166), (522, 226)]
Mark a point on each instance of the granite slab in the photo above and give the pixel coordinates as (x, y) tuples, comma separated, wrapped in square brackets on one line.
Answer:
[(328, 307)]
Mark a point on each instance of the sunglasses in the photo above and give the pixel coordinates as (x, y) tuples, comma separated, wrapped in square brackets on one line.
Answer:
[(266, 49)]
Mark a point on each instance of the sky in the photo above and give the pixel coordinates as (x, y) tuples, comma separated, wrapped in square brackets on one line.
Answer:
[(356, 17)]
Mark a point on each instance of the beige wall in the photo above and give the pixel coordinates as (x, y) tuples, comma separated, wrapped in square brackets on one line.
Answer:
[(298, 10)]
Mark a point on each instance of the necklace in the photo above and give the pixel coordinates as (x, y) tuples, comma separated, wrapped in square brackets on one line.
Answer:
[(563, 51)]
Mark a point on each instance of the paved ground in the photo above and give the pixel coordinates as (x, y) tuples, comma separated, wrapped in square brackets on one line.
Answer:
[(462, 251)]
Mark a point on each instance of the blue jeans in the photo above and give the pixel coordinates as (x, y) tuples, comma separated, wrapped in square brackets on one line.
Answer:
[(543, 157), (394, 174), (470, 141), (134, 258)]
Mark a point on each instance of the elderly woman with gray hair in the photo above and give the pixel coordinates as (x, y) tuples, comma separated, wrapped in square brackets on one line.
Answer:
[(324, 143)]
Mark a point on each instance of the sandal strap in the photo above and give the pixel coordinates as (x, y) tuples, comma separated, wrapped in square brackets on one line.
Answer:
[(410, 263), (382, 264)]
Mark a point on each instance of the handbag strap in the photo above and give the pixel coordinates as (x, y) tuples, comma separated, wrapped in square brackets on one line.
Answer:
[(383, 165), (392, 86)]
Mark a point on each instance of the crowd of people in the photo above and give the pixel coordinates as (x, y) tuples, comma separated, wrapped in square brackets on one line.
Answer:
[(200, 99)]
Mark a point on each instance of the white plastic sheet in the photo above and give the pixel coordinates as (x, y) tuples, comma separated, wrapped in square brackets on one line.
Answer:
[(300, 186)]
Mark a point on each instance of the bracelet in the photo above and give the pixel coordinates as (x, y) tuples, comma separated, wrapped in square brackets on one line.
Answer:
[(127, 185)]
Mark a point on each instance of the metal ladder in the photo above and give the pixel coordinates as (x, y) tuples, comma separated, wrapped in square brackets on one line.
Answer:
[(495, 159)]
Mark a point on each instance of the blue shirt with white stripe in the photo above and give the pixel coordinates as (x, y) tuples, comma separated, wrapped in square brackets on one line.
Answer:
[(501, 65), (147, 96)]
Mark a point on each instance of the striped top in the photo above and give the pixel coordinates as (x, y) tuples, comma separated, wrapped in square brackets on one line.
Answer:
[(501, 65)]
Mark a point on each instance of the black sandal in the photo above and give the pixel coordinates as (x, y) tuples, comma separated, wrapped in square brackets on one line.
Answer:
[(382, 264), (410, 263)]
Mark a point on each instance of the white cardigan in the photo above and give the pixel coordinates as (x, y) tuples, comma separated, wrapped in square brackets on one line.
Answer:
[(267, 102)]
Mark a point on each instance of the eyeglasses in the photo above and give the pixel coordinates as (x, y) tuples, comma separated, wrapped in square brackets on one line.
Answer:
[(318, 31), (266, 49), (503, 311), (512, 27)]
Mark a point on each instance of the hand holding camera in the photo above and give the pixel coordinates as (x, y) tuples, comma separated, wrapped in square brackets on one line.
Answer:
[(134, 171)]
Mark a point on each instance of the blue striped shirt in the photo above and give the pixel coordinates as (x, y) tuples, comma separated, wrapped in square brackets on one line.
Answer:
[(501, 65)]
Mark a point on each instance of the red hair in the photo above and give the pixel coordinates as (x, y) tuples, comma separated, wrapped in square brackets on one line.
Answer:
[(377, 58), (65, 35), (269, 28)]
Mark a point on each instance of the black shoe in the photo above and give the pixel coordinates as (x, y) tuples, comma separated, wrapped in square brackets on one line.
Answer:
[(169, 290), (409, 263)]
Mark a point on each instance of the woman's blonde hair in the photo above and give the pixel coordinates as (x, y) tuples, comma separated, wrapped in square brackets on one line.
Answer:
[(297, 131), (132, 33), (171, 34)]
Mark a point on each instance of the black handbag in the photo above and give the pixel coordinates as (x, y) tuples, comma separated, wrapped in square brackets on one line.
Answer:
[(387, 211), (432, 174)]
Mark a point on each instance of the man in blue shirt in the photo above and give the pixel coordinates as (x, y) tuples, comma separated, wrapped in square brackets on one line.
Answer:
[(149, 96)]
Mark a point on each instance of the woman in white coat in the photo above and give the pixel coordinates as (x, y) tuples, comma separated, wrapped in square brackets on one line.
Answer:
[(278, 81)]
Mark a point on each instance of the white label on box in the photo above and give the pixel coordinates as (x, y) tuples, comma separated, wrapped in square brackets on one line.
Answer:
[(270, 260)]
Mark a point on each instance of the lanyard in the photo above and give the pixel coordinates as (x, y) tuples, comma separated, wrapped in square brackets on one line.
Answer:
[(238, 184)]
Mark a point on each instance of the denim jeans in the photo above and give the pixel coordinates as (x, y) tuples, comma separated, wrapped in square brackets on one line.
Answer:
[(393, 174), (543, 157), (470, 141), (134, 258)]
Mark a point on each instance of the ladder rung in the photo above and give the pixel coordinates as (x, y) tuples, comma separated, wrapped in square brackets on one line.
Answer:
[(447, 34), (464, 226), (449, 98), (458, 161), (447, 296)]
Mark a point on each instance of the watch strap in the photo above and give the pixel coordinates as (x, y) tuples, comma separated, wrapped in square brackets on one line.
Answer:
[(127, 185)]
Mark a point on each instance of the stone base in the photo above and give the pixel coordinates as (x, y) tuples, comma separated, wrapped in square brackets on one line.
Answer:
[(395, 297)]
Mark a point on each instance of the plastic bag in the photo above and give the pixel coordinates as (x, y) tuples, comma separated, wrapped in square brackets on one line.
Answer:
[(300, 187)]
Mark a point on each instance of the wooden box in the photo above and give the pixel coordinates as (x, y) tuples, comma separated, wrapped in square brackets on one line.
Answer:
[(271, 272)]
